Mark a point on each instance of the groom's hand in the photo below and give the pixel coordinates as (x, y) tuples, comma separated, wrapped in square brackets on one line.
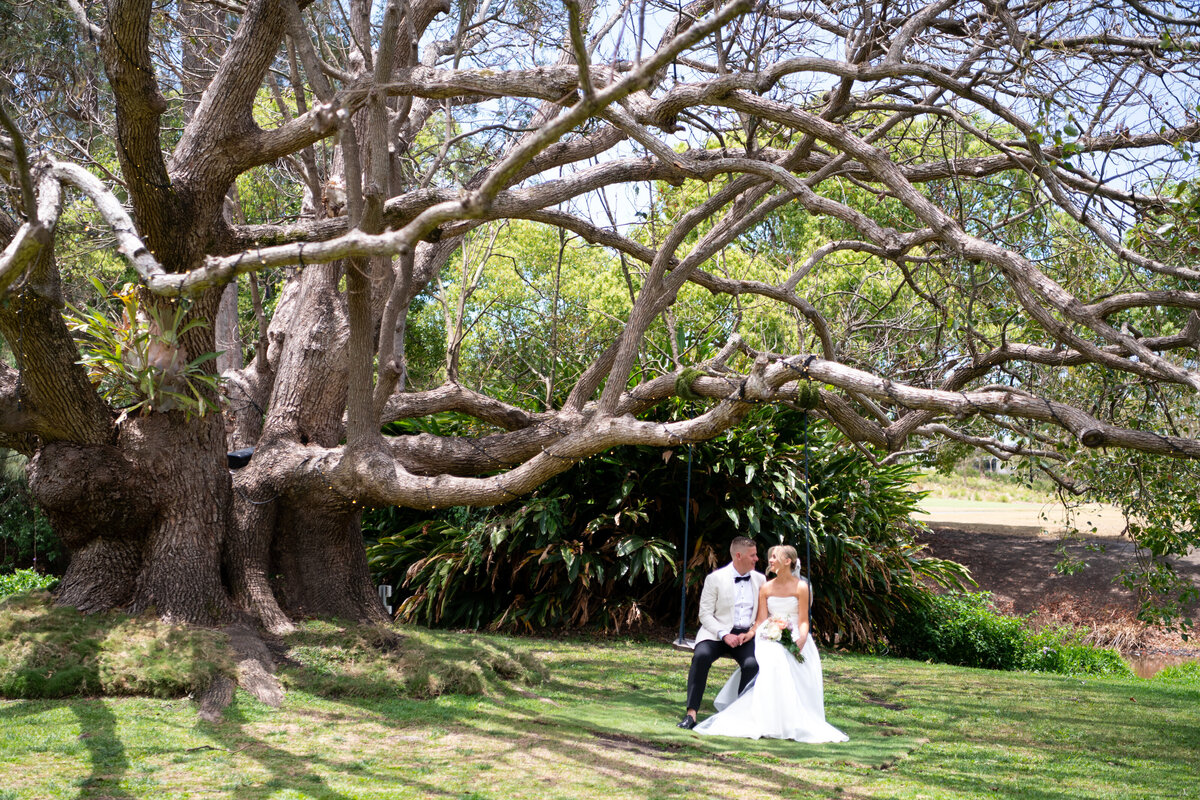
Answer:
[(732, 639)]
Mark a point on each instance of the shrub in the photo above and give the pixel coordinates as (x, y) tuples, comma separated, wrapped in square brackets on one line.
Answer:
[(1186, 674), (959, 629), (25, 580), (965, 630), (1062, 651)]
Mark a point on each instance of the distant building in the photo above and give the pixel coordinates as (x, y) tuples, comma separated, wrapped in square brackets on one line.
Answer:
[(993, 465)]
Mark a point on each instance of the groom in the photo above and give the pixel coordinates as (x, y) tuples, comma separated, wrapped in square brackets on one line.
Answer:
[(728, 606)]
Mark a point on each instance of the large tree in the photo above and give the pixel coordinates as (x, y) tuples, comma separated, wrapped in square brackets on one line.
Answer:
[(970, 215)]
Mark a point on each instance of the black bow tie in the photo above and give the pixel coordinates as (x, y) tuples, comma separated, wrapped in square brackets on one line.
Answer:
[(740, 578)]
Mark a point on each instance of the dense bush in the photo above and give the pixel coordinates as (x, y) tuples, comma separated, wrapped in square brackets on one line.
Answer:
[(25, 534), (25, 580), (964, 629), (1062, 651), (600, 544), (959, 629)]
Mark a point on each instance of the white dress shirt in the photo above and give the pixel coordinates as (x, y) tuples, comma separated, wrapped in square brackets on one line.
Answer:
[(743, 604)]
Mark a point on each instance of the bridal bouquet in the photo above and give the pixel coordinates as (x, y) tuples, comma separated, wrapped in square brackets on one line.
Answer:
[(779, 629)]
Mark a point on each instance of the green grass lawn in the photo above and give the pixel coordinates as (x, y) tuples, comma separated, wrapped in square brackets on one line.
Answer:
[(603, 726)]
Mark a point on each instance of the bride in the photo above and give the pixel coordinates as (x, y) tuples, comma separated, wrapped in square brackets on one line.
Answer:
[(787, 698)]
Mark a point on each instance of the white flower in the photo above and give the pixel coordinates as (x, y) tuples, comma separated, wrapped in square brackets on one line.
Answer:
[(772, 628)]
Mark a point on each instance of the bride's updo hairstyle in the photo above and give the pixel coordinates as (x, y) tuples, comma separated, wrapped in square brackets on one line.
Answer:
[(788, 552)]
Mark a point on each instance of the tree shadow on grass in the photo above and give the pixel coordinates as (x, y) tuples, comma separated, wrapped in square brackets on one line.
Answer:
[(53, 653), (1078, 736), (975, 718), (106, 752), (621, 732), (307, 774), (637, 743), (107, 758), (577, 758), (287, 770)]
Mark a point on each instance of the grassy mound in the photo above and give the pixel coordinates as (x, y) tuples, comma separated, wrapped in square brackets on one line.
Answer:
[(345, 660), (50, 651), (53, 651)]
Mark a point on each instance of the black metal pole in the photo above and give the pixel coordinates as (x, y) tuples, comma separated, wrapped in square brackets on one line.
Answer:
[(807, 506), (687, 513)]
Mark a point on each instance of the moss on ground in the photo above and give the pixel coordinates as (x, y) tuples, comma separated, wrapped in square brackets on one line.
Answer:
[(49, 651), (54, 651)]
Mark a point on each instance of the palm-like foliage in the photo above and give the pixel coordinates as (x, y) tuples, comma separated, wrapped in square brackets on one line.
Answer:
[(600, 544), (867, 565)]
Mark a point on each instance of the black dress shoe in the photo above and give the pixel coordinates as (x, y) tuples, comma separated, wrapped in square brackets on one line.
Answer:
[(687, 723)]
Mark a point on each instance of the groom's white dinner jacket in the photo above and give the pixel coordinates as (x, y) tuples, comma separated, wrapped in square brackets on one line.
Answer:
[(717, 600)]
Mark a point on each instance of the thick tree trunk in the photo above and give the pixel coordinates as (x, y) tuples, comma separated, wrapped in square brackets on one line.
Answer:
[(322, 564), (248, 557), (96, 502), (144, 520), (184, 464), (300, 552)]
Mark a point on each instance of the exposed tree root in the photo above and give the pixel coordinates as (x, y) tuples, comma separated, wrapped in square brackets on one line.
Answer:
[(215, 698), (255, 674)]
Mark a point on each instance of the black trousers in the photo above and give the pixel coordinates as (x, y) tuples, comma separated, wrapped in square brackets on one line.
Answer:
[(702, 660)]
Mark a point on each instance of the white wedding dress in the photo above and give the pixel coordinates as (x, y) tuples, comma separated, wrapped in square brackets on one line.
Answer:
[(786, 699)]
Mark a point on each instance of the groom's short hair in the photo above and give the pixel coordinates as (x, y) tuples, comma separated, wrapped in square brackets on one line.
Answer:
[(741, 543)]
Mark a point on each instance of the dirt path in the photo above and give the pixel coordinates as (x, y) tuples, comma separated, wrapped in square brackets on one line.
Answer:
[(1013, 556)]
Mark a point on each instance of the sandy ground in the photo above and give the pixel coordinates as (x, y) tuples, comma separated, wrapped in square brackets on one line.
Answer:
[(1028, 518)]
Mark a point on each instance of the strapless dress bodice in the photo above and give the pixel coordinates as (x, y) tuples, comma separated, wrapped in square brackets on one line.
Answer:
[(783, 607)]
